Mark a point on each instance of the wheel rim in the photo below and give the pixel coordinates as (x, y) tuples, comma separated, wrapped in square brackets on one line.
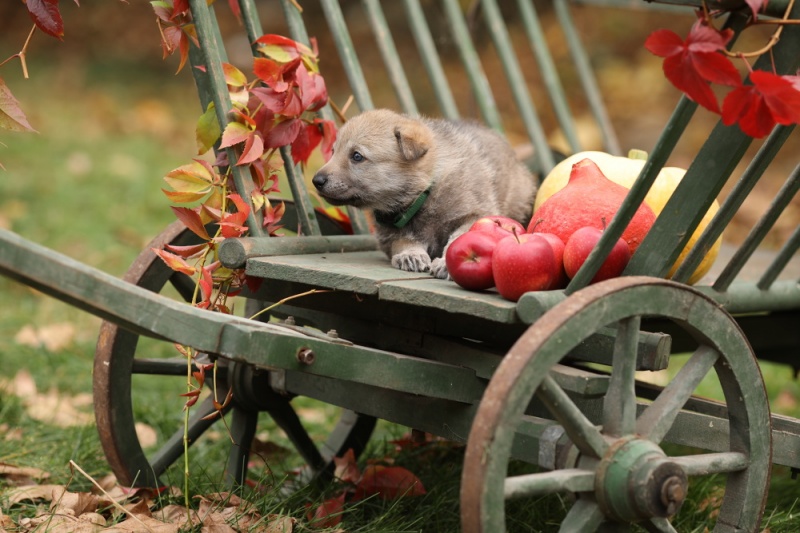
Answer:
[(116, 362), (525, 372)]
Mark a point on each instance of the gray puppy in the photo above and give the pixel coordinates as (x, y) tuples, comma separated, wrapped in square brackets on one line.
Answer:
[(426, 181)]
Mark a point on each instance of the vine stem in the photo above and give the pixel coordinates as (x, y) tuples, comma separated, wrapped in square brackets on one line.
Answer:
[(21, 54), (776, 36), (287, 299)]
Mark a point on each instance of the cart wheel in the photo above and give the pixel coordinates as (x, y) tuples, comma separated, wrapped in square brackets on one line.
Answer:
[(616, 469), (119, 357)]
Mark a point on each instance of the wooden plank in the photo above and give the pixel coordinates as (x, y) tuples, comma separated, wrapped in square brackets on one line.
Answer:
[(448, 296), (360, 272)]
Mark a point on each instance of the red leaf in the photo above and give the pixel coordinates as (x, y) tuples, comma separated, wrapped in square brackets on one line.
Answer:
[(690, 65), (175, 262), (253, 149), (388, 482), (191, 219), (235, 9), (283, 134), (328, 137), (179, 7), (275, 74), (770, 100), (273, 101), (293, 106), (346, 468), (46, 16), (308, 139), (272, 216), (313, 92), (756, 6), (241, 205), (207, 284), (235, 133), (327, 514), (187, 251)]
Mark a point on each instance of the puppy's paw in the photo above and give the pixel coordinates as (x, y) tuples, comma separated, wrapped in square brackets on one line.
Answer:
[(439, 268), (412, 261)]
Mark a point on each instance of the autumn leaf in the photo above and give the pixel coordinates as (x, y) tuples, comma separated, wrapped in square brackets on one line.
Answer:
[(191, 219), (46, 16), (692, 64), (11, 115), (283, 134), (756, 6), (273, 101), (328, 137), (282, 49), (275, 74), (235, 133), (313, 92), (207, 130), (346, 468), (233, 76), (307, 139), (253, 149), (757, 108), (388, 483), (175, 262), (327, 514)]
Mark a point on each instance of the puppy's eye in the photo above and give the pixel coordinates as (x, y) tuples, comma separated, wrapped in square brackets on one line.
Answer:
[(357, 157)]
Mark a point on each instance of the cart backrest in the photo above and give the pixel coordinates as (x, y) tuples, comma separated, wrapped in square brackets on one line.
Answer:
[(424, 82)]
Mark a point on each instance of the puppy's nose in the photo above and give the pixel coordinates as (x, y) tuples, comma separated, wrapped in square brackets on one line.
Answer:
[(319, 180)]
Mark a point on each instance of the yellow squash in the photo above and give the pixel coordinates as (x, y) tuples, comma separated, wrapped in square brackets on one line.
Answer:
[(624, 171)]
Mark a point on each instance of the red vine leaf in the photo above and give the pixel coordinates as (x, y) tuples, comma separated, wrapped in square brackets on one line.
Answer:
[(253, 149), (273, 101), (756, 6), (235, 133), (690, 65), (175, 262), (327, 514), (307, 139), (388, 482), (193, 250), (770, 100), (46, 16), (11, 115), (328, 137), (283, 134), (191, 219), (275, 74), (346, 467)]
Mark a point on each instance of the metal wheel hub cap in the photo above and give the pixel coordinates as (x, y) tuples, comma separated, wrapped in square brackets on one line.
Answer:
[(636, 480)]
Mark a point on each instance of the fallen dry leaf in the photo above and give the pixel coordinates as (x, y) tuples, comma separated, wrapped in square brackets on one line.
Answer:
[(144, 523), (52, 407), (21, 475), (32, 492), (10, 433), (147, 435), (280, 524), (52, 337), (76, 502)]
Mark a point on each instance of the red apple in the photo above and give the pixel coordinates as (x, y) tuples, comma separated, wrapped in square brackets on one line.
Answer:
[(557, 244), (523, 263), (498, 226), (581, 243), (469, 260)]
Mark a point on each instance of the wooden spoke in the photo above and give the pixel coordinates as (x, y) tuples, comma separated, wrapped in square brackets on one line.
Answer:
[(712, 463), (584, 516), (619, 407), (173, 448), (579, 428), (243, 427), (659, 416), (570, 480)]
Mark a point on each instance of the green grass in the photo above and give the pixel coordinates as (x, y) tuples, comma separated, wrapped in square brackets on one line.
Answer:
[(88, 186)]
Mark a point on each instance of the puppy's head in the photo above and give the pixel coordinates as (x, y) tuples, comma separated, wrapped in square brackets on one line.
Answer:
[(381, 160)]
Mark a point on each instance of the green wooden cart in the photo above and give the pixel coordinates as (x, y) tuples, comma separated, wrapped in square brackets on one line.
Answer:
[(552, 379)]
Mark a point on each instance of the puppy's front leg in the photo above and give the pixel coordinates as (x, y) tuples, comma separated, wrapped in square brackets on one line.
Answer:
[(410, 256), (439, 265)]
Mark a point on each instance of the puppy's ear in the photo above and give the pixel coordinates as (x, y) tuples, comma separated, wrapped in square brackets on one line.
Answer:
[(414, 139)]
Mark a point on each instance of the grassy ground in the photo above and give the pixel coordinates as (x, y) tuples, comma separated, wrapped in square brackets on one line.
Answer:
[(88, 186)]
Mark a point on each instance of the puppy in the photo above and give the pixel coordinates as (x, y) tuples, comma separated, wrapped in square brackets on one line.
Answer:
[(426, 181)]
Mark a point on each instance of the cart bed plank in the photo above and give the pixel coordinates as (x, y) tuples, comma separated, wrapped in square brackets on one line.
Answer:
[(370, 273)]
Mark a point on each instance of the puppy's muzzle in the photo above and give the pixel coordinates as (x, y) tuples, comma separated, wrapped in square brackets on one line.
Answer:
[(320, 180)]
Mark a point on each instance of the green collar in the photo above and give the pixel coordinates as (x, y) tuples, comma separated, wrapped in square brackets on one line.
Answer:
[(400, 220)]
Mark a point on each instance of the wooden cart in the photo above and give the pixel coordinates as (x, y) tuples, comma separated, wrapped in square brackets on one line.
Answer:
[(551, 379)]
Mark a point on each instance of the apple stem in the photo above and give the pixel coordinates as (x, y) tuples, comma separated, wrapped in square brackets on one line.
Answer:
[(533, 229), (514, 231)]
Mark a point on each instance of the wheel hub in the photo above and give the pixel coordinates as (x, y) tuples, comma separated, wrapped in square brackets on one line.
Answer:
[(636, 480)]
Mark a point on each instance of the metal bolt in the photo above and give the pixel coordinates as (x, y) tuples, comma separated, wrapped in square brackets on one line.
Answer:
[(333, 334), (289, 321), (672, 494), (306, 356)]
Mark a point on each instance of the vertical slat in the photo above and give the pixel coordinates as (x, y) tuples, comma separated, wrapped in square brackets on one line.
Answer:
[(780, 261), (732, 203), (707, 174), (212, 59), (759, 231), (587, 78), (549, 74), (472, 64), (430, 59), (298, 32), (519, 88), (658, 157), (347, 53), (306, 215), (391, 59)]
